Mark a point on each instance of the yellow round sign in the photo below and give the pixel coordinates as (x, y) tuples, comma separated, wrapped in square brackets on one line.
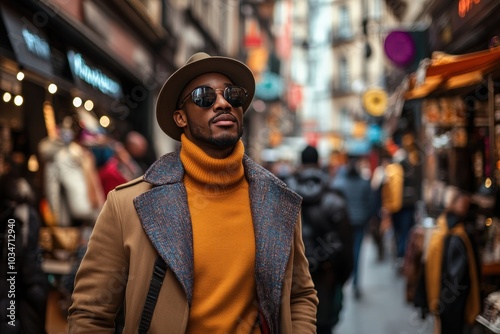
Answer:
[(375, 102)]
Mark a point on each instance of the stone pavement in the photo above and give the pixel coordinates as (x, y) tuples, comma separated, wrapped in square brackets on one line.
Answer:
[(382, 308)]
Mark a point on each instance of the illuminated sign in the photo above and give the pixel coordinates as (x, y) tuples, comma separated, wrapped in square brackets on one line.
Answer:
[(36, 44), (464, 6), (29, 42), (93, 76), (270, 87), (400, 47)]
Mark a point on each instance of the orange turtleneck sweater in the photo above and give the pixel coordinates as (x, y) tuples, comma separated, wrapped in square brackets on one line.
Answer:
[(224, 296)]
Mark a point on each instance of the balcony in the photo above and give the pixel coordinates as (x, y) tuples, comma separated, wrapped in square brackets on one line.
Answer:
[(342, 37)]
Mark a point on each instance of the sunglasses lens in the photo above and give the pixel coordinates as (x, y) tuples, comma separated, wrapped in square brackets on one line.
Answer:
[(236, 96), (204, 97)]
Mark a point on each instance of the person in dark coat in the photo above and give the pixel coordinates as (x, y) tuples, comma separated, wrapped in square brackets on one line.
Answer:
[(357, 192), (452, 275), (327, 237), (23, 285)]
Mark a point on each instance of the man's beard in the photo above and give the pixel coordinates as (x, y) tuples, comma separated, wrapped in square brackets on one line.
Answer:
[(224, 141)]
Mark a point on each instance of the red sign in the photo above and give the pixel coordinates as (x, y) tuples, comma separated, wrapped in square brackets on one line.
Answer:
[(312, 138), (294, 96), (464, 6)]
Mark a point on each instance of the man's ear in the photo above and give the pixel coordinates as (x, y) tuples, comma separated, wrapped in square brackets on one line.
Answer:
[(180, 118)]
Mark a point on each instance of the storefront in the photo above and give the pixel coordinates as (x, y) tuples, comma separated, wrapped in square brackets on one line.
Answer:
[(460, 144), (457, 95), (36, 55), (54, 88)]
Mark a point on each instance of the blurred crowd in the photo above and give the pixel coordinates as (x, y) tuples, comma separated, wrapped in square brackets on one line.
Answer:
[(349, 197)]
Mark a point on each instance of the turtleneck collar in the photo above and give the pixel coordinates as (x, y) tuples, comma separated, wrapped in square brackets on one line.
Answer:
[(210, 175)]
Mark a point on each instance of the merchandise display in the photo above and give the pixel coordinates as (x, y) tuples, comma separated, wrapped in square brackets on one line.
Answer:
[(490, 317)]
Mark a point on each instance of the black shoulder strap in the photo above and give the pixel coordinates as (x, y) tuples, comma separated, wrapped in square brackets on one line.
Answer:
[(159, 272)]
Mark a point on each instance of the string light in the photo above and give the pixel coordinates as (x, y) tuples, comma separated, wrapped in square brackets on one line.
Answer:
[(77, 102), (104, 121), (487, 182), (33, 163), (89, 105), (52, 88), (20, 76), (7, 97), (18, 100)]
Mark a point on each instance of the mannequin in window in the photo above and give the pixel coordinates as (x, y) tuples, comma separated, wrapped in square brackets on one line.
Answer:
[(71, 182)]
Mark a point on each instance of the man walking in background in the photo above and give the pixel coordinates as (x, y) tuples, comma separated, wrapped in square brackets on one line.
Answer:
[(357, 192), (327, 237)]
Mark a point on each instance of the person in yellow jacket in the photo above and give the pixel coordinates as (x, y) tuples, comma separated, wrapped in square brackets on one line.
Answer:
[(451, 270), (392, 190), (399, 195)]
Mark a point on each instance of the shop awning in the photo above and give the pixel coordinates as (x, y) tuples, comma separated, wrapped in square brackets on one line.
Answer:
[(446, 72)]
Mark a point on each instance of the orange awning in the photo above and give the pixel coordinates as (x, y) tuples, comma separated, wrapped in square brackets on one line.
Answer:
[(447, 72)]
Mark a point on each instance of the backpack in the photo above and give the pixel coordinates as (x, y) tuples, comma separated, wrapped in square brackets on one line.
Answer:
[(327, 235)]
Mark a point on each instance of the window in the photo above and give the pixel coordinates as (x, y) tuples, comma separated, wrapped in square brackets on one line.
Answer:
[(345, 23), (344, 75)]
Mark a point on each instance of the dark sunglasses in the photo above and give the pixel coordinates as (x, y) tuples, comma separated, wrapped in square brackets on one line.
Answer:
[(205, 97)]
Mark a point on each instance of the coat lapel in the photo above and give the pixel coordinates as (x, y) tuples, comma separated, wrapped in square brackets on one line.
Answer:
[(165, 217), (164, 214), (275, 211)]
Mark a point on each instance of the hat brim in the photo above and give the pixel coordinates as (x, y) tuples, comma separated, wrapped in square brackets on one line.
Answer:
[(166, 103)]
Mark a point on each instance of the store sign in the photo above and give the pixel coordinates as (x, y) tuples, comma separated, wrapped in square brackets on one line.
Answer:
[(375, 101), (93, 75), (464, 6), (400, 47), (466, 15), (29, 42), (374, 134), (270, 87), (294, 96), (36, 44)]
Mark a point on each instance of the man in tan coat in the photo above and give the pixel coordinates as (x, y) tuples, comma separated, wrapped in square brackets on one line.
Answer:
[(224, 231)]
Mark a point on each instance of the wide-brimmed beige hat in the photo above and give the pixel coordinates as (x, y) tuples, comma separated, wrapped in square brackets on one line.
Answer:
[(198, 64)]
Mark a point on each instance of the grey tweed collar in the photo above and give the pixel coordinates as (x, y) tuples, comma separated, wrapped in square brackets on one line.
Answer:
[(164, 214)]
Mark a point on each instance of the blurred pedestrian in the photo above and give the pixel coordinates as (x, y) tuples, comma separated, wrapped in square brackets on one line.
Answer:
[(282, 169), (119, 166), (218, 236), (398, 199), (24, 286), (327, 237), (357, 192), (138, 147), (376, 183), (451, 269)]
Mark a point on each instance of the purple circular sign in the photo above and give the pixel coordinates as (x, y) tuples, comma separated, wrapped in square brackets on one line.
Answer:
[(400, 47)]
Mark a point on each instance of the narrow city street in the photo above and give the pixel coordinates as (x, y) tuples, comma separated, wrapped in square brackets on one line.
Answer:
[(382, 308)]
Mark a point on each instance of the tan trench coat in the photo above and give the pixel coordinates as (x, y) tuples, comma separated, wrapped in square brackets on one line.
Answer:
[(134, 227)]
